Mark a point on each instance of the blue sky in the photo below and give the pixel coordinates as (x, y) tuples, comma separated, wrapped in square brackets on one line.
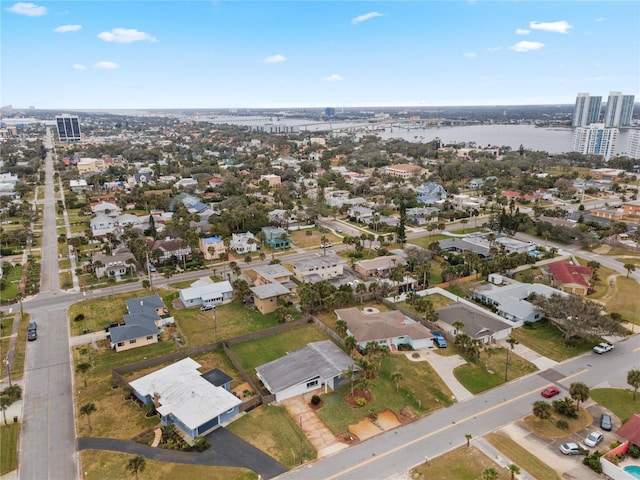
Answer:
[(225, 54)]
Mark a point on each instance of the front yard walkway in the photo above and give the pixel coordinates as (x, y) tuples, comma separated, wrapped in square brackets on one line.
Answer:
[(324, 441), (444, 365), (542, 363)]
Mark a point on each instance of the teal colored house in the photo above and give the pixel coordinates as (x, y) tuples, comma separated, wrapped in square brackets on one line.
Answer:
[(276, 237)]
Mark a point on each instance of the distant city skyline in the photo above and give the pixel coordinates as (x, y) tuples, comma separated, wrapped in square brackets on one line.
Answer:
[(294, 54)]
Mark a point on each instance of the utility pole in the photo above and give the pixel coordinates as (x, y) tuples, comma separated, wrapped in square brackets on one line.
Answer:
[(215, 325), (8, 364), (149, 273)]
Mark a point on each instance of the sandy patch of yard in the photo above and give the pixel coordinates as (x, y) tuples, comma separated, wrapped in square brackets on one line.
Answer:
[(364, 429), (387, 420), (602, 250)]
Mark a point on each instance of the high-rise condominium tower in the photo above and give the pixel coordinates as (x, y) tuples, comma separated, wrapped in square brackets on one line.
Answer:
[(595, 140), (619, 110), (586, 111), (68, 128)]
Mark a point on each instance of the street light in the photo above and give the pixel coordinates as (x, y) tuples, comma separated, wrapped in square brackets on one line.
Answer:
[(6, 362)]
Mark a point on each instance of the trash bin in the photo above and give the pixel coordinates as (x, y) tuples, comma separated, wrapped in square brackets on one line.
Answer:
[(15, 419)]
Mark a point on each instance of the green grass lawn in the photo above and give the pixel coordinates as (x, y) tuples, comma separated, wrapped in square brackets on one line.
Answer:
[(65, 280), (232, 319), (460, 464), (9, 447), (619, 401), (254, 353), (490, 373), (302, 240), (271, 429), (12, 281), (427, 239), (625, 299), (546, 339), (421, 389), (102, 465), (522, 457)]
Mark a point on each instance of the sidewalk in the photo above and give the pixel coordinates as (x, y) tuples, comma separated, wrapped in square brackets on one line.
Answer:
[(542, 363)]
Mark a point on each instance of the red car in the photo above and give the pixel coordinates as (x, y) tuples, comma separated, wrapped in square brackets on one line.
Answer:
[(550, 392)]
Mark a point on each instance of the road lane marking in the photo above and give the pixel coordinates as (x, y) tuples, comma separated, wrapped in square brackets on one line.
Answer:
[(442, 429)]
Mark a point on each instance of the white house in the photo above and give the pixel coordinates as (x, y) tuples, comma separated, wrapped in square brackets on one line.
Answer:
[(319, 364), (102, 224), (318, 268), (105, 208), (240, 242), (205, 293)]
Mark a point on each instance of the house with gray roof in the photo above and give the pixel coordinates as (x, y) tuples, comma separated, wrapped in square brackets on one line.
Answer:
[(431, 193), (511, 301), (315, 269), (478, 323), (206, 293), (141, 325), (318, 365)]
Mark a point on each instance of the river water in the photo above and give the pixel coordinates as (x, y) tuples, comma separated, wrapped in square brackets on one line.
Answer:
[(550, 140)]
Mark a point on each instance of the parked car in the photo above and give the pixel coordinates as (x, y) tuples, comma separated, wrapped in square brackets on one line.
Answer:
[(325, 245), (603, 348), (338, 230), (605, 422), (439, 340), (32, 326), (550, 392), (593, 439), (206, 308), (32, 335), (570, 449)]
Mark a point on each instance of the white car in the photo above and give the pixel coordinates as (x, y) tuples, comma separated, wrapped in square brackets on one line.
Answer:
[(570, 449), (603, 348), (593, 439)]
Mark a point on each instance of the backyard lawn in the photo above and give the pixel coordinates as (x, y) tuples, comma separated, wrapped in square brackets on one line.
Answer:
[(101, 465), (271, 429), (460, 464), (522, 457), (546, 339), (254, 353), (421, 389), (490, 373), (619, 401), (101, 312)]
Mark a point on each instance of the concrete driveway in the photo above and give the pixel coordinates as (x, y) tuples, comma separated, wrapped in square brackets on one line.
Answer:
[(444, 366)]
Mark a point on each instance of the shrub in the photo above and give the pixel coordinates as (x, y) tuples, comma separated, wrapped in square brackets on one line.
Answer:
[(613, 445), (562, 424), (634, 451), (315, 400), (361, 401), (565, 407), (127, 393), (593, 461)]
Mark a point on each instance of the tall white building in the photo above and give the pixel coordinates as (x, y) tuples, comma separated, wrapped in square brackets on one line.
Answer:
[(633, 148), (595, 140), (619, 110), (586, 110)]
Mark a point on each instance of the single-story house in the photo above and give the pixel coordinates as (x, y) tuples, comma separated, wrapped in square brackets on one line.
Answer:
[(206, 293), (141, 325), (478, 323), (465, 245), (630, 430), (570, 278), (318, 268), (511, 301), (390, 329), (319, 364), (195, 403), (378, 267)]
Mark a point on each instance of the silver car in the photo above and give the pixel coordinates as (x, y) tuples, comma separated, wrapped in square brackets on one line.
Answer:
[(593, 439), (570, 449)]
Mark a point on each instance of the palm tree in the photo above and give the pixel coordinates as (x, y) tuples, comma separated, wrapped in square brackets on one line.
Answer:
[(515, 470), (629, 267), (5, 402), (87, 409), (633, 379), (341, 327), (351, 374), (458, 325), (468, 437), (83, 368), (489, 473), (136, 464), (396, 377), (542, 410), (579, 392), (350, 343), (489, 351)]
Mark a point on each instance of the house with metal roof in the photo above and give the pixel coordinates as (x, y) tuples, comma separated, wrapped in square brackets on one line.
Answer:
[(431, 193), (141, 325), (389, 329), (318, 365), (478, 322), (206, 293), (195, 403)]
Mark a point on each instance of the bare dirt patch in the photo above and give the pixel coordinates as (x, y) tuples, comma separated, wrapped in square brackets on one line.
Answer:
[(365, 429), (352, 400), (602, 250), (387, 420), (406, 415)]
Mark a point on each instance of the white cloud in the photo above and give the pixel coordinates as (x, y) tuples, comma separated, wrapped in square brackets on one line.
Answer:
[(274, 59), (470, 54), (526, 46), (494, 49), (365, 17), (106, 65), (28, 9), (78, 66), (559, 27), (601, 19), (522, 31), (333, 78), (67, 28), (125, 35)]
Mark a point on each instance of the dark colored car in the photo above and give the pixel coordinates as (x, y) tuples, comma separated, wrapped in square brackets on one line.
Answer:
[(32, 331), (550, 392), (605, 422)]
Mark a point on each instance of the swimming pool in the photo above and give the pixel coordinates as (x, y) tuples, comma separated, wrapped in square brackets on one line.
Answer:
[(633, 470)]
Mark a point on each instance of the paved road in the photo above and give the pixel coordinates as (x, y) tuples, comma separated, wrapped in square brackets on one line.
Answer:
[(47, 439), (405, 447)]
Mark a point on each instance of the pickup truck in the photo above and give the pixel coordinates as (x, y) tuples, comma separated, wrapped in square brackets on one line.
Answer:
[(439, 340), (603, 348)]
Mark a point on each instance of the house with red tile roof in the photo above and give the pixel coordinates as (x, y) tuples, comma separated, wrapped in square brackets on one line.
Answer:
[(570, 278), (630, 430)]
